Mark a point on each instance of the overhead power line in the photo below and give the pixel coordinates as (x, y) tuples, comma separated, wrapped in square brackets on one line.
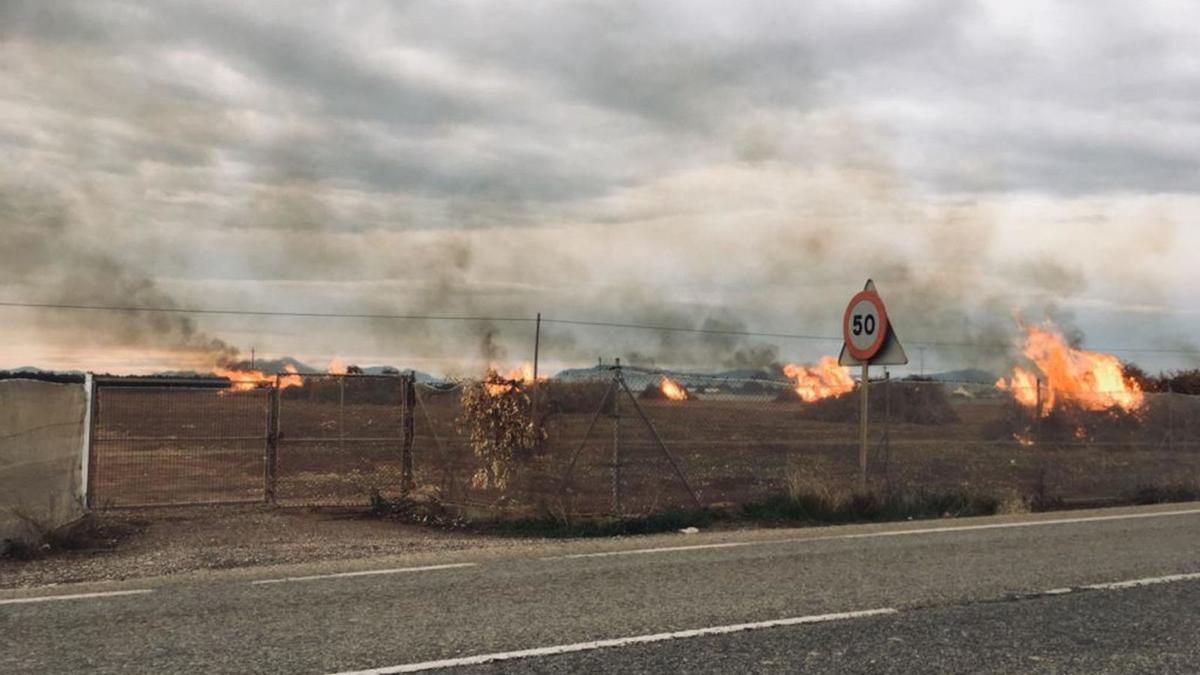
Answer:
[(521, 319)]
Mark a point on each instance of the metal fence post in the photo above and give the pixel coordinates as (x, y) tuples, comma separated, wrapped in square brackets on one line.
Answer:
[(270, 469), (93, 425), (616, 449), (408, 402), (1170, 416)]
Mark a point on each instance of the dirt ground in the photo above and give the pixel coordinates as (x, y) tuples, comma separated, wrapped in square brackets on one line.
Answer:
[(138, 543), (163, 446)]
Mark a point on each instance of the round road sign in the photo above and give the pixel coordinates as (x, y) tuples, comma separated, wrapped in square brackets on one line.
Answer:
[(865, 325)]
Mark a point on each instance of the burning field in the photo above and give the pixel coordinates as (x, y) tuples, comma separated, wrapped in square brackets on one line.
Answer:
[(1064, 394), (1061, 376), (1064, 421)]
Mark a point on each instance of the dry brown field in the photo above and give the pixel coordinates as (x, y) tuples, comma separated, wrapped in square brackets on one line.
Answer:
[(173, 446)]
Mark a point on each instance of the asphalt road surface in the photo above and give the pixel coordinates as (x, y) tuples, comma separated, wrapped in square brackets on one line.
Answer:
[(1100, 591)]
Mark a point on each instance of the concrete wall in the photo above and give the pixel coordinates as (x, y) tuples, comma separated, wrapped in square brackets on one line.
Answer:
[(43, 438)]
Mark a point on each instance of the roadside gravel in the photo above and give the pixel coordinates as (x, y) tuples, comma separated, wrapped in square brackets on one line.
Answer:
[(147, 543)]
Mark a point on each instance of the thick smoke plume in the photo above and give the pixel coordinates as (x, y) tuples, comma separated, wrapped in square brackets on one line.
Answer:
[(44, 253)]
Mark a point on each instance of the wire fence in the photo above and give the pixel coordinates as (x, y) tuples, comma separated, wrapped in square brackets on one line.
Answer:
[(634, 450), (624, 441), (178, 443)]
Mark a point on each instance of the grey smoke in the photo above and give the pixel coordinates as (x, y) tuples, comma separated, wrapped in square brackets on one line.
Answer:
[(43, 251)]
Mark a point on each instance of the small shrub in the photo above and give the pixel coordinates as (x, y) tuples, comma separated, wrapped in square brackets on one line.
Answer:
[(497, 419)]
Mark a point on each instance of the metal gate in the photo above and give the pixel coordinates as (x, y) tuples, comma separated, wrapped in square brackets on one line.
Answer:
[(298, 440), (158, 441)]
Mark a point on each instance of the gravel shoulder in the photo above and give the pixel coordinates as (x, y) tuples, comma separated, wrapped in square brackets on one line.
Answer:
[(139, 543)]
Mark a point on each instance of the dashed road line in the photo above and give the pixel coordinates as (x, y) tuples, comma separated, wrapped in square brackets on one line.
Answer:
[(76, 596), (365, 573), (1136, 583)]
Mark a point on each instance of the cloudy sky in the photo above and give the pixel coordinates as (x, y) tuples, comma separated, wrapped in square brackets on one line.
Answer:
[(738, 165)]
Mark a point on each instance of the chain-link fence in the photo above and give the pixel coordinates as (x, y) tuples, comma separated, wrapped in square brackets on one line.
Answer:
[(626, 441), (622, 441)]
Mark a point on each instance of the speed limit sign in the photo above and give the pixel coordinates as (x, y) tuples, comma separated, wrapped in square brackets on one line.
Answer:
[(865, 325)]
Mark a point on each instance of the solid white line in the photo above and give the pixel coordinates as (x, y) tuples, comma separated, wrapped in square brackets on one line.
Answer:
[(77, 596), (367, 573), (617, 642), (892, 533), (1135, 583)]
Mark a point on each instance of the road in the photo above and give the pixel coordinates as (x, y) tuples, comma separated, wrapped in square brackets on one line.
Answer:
[(1099, 591)]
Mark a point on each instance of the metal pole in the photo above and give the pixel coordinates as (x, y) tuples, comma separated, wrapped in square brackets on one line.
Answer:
[(342, 414), (408, 399), (1170, 416), (537, 343), (887, 428), (1037, 443), (271, 468), (93, 422), (862, 431), (616, 452)]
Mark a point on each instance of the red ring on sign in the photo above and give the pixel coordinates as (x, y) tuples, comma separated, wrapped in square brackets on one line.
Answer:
[(881, 334)]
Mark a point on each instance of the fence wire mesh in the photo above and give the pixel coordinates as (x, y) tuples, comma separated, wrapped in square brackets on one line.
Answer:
[(339, 440), (616, 441), (169, 445)]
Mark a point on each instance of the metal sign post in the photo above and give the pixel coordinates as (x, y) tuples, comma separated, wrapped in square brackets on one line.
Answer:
[(868, 339), (862, 428)]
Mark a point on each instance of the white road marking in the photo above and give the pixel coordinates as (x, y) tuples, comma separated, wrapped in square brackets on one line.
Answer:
[(664, 549), (366, 573), (76, 596), (1135, 583), (618, 642), (872, 535)]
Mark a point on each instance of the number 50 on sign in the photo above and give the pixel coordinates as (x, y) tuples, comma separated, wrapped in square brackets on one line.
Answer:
[(865, 325)]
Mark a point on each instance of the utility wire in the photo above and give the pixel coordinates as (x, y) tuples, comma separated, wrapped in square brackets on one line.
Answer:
[(520, 319), (249, 312)]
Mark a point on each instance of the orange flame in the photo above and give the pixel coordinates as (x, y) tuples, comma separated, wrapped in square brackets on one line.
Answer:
[(498, 384), (823, 380), (241, 380), (1089, 380), (672, 390), (337, 366), (292, 379), (249, 380)]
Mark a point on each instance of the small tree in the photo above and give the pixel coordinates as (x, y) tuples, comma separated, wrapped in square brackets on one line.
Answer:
[(497, 418)]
